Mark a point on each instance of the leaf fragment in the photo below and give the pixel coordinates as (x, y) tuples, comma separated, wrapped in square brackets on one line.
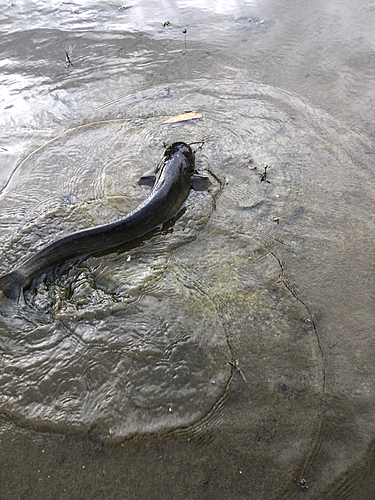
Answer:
[(183, 118)]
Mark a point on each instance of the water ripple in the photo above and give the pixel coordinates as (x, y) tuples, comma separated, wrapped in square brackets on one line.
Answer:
[(138, 340)]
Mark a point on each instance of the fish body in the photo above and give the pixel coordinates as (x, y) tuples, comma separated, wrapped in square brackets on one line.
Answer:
[(172, 183)]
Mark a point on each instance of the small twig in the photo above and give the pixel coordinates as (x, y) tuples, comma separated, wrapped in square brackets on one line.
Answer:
[(235, 364), (184, 32), (263, 177), (68, 58)]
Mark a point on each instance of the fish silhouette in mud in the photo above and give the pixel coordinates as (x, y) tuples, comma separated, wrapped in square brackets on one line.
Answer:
[(172, 181)]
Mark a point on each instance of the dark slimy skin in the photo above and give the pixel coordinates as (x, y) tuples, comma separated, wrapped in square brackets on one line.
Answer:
[(173, 182)]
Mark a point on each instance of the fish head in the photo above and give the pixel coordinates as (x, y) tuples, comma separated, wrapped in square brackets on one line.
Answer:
[(183, 149)]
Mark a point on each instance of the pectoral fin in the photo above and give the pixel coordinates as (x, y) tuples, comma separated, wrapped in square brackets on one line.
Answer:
[(147, 180), (200, 182)]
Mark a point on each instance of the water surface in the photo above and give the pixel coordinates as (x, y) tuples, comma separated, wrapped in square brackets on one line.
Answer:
[(231, 348)]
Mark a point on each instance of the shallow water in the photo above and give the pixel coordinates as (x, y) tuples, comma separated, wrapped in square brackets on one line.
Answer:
[(229, 353)]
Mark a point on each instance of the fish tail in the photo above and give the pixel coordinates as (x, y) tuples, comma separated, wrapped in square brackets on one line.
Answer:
[(11, 284)]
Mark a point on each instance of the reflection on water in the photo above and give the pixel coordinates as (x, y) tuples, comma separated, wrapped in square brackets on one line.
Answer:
[(232, 344)]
